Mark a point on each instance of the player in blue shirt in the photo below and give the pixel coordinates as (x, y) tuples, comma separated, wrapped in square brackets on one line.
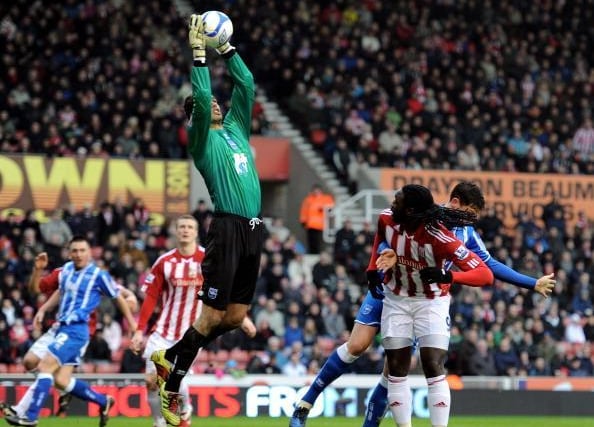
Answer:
[(465, 195), (81, 285)]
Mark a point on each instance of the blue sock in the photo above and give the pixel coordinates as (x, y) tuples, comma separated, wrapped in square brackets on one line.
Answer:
[(332, 369), (376, 408), (42, 386), (82, 390)]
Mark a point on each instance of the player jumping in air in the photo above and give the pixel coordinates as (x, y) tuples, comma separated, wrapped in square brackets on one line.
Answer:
[(221, 152)]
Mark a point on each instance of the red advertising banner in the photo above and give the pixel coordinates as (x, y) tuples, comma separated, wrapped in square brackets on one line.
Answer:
[(558, 384), (509, 193), (272, 157), (274, 396), (44, 184)]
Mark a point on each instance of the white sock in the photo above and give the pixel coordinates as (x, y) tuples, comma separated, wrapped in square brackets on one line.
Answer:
[(23, 405), (400, 400), (69, 387), (439, 401), (155, 404), (344, 355), (185, 393)]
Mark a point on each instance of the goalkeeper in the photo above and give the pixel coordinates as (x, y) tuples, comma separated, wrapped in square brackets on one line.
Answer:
[(221, 152)]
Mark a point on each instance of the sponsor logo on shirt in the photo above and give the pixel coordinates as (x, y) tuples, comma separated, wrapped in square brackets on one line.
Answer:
[(410, 262), (185, 282)]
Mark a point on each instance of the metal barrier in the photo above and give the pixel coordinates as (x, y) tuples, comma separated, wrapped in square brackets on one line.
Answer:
[(365, 206)]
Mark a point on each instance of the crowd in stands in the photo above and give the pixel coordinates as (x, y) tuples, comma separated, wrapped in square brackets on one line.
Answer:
[(492, 86), (97, 78), (498, 86), (303, 308)]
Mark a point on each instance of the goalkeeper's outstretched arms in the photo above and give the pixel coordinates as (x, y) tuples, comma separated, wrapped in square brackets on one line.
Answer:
[(197, 39), (198, 106), (244, 90)]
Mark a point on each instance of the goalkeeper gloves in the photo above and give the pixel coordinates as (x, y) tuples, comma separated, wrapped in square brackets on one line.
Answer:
[(225, 49), (435, 275), (197, 39), (375, 284)]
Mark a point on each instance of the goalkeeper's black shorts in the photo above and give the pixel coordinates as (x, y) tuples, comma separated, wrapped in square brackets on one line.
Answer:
[(232, 260)]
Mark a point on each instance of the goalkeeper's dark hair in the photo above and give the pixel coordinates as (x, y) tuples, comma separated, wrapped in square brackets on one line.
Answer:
[(188, 106), (420, 200), (469, 194)]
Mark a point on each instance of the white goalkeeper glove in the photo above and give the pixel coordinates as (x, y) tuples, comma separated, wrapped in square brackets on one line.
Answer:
[(196, 38)]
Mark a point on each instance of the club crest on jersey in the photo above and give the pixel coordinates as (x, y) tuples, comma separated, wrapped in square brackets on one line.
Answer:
[(212, 293), (241, 163), (366, 309), (192, 271), (461, 252), (70, 286)]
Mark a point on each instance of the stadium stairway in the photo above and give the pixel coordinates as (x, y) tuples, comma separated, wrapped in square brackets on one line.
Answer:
[(321, 170)]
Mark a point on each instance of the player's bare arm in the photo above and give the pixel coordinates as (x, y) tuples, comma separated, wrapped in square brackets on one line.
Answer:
[(125, 309), (49, 305), (130, 299), (545, 285), (39, 266)]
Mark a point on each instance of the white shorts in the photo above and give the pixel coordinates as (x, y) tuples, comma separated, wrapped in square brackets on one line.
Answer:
[(156, 342), (39, 347), (407, 318)]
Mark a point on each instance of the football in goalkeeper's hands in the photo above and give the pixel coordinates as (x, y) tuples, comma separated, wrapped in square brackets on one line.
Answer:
[(218, 28)]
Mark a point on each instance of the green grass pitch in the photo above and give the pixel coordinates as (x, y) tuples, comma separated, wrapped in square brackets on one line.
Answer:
[(486, 421)]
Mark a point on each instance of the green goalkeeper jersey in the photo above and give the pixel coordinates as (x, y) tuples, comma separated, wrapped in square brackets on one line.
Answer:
[(224, 156)]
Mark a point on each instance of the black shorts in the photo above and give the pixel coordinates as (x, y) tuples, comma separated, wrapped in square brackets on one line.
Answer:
[(232, 260)]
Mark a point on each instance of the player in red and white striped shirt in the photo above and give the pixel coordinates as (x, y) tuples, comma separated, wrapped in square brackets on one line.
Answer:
[(417, 297), (173, 283)]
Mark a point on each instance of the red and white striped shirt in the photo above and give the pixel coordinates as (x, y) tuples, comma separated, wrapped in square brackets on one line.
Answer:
[(176, 280), (428, 246)]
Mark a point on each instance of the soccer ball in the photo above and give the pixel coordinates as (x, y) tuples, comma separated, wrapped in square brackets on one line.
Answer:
[(218, 28)]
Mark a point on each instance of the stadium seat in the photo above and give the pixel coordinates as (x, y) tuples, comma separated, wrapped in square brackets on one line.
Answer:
[(116, 356), (221, 356), (198, 368), (240, 356), (87, 368), (203, 357), (125, 342), (3, 368), (16, 368), (107, 368)]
